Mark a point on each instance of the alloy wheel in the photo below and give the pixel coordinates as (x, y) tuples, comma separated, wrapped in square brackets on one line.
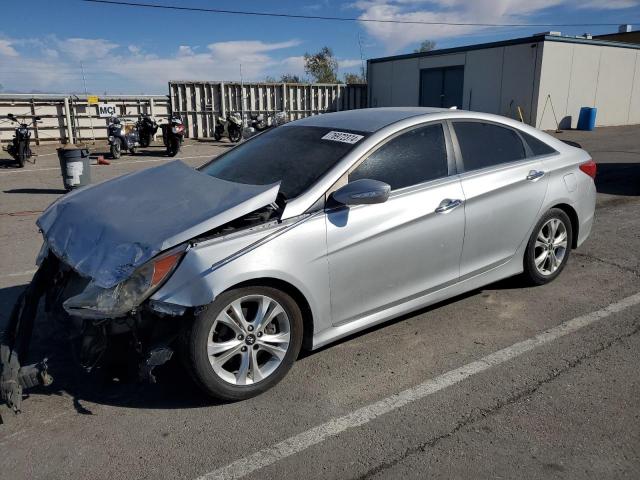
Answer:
[(249, 340), (551, 246)]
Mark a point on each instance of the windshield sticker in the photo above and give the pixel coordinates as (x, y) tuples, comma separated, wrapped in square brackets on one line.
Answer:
[(343, 137)]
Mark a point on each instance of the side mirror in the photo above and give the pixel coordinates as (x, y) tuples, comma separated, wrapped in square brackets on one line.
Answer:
[(362, 192)]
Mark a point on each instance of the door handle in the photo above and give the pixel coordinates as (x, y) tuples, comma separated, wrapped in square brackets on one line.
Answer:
[(534, 175), (447, 205)]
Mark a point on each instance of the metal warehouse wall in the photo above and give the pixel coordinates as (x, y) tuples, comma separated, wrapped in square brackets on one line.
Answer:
[(69, 118), (200, 103), (496, 80), (581, 75)]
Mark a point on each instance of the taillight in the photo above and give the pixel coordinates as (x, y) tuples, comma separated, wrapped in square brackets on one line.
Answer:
[(589, 167)]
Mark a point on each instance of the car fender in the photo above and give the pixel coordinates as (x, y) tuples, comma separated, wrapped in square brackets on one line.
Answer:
[(293, 252)]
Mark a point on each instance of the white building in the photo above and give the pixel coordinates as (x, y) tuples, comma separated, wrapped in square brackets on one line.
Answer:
[(533, 73)]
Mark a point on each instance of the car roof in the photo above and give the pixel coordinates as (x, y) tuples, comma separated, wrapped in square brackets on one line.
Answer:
[(365, 119)]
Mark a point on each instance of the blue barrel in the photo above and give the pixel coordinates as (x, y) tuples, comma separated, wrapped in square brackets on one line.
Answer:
[(587, 118)]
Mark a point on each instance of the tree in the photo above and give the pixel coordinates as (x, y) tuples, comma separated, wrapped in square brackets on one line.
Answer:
[(322, 66), (354, 78), (426, 46), (291, 78), (285, 78)]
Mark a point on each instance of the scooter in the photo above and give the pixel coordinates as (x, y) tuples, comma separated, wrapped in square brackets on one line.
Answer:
[(147, 128), (19, 148), (233, 126), (173, 135), (122, 137)]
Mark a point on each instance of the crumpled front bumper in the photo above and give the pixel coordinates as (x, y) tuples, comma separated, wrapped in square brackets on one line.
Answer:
[(16, 339), (151, 333)]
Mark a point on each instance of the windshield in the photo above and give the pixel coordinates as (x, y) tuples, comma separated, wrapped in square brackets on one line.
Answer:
[(297, 156)]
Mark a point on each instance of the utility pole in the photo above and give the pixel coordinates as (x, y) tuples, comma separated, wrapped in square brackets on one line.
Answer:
[(361, 57), (89, 107)]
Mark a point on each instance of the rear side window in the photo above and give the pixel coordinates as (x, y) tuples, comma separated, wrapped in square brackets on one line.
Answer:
[(485, 144), (538, 147), (414, 157)]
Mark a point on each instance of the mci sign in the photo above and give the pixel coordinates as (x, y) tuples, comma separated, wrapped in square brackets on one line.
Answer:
[(106, 110)]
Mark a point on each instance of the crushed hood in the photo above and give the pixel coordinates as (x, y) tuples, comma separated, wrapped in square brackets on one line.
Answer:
[(108, 230)]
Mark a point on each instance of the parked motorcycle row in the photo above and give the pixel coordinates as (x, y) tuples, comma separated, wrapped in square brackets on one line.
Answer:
[(128, 138), (123, 138)]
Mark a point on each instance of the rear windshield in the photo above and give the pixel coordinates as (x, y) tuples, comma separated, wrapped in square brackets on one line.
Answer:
[(297, 156)]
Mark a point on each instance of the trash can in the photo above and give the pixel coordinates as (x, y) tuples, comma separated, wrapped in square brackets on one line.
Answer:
[(587, 118), (74, 166)]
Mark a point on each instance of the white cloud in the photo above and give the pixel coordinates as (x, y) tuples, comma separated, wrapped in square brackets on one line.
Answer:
[(349, 63), (51, 64), (397, 36), (6, 49), (608, 5), (86, 48), (185, 50)]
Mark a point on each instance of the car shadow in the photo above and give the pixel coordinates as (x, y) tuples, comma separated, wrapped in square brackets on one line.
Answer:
[(41, 191), (618, 178)]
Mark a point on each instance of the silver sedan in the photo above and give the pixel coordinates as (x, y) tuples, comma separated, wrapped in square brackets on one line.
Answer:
[(313, 231)]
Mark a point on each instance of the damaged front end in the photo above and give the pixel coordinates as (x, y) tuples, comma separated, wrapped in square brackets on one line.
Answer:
[(93, 319), (107, 249)]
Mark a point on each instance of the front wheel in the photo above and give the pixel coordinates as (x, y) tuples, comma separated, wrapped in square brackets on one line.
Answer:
[(116, 150), (145, 141), (20, 160), (548, 248), (235, 135), (174, 146), (244, 343), (217, 136)]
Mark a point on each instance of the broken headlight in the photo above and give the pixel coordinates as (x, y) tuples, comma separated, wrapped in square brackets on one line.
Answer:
[(117, 301)]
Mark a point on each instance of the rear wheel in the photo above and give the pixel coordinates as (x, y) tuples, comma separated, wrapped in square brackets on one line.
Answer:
[(145, 140), (548, 248), (245, 342), (20, 160)]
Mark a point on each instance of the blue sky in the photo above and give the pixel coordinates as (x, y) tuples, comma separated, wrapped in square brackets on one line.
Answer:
[(136, 50)]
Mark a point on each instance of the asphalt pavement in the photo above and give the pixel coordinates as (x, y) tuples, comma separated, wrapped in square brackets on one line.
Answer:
[(504, 382)]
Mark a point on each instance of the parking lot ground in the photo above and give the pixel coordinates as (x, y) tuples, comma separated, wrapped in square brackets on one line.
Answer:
[(423, 396)]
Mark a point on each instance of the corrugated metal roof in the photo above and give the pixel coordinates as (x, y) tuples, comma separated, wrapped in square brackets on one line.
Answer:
[(504, 43)]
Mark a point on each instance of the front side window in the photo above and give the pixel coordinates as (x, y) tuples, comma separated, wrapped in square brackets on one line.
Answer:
[(296, 156), (411, 158), (486, 145)]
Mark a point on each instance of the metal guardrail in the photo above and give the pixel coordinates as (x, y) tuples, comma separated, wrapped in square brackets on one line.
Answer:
[(69, 118), (201, 103)]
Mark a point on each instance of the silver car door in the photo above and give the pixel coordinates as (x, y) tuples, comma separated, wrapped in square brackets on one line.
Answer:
[(383, 254), (504, 189)]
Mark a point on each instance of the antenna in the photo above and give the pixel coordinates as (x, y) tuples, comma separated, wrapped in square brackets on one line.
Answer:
[(86, 95), (361, 56)]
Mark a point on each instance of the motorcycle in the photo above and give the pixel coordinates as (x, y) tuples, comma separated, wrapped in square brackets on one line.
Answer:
[(173, 135), (233, 126), (122, 137), (259, 123), (19, 148), (147, 128)]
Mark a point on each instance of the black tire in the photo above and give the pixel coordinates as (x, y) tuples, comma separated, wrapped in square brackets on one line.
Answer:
[(174, 147), (217, 136), (133, 151), (116, 150), (145, 141), (20, 160), (197, 359), (532, 274), (235, 135)]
